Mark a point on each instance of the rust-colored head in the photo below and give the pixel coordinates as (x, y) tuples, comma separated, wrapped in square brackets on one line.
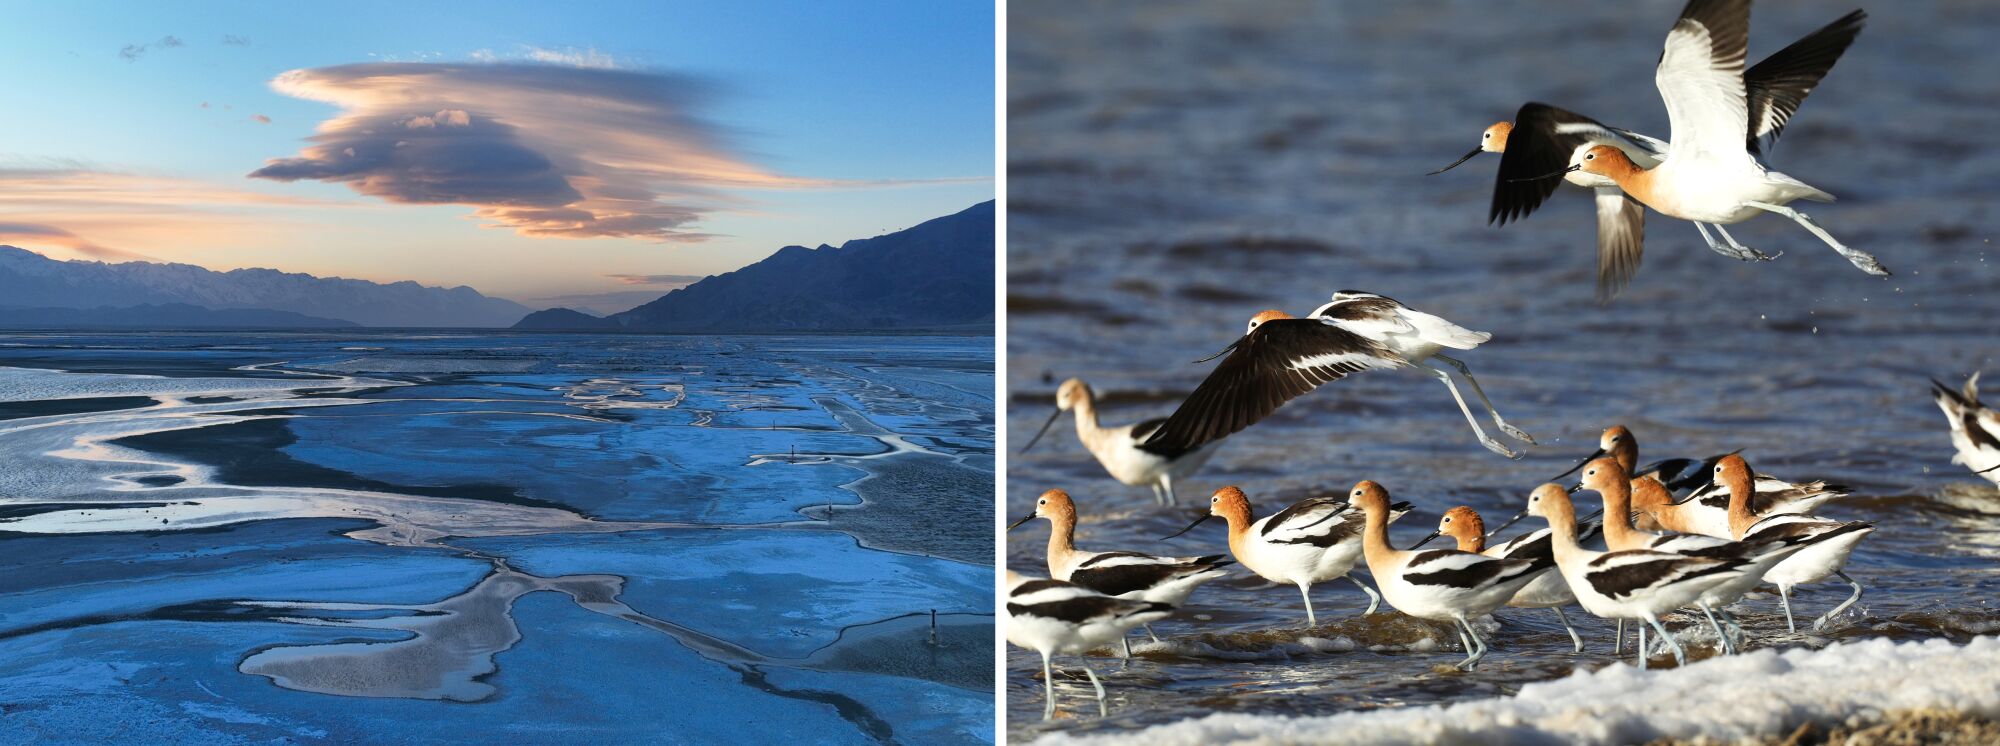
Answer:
[(1073, 393), (1056, 506), (1551, 501), (1370, 497), (1605, 475), (1619, 443), (1463, 524), (1230, 503), (1648, 494), (1263, 316), (1734, 473), (1603, 160), (1494, 139)]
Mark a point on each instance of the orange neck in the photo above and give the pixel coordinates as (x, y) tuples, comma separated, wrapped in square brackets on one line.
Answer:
[(1740, 517), (1062, 541), (1474, 544), (1618, 532), (1375, 541)]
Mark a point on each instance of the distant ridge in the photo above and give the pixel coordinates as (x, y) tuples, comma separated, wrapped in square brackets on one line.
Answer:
[(30, 280), (936, 275), (162, 316), (563, 319)]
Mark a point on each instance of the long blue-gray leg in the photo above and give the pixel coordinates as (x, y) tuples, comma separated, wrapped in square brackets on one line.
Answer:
[(1860, 259), (1722, 638), (1680, 658), (1510, 430), (1745, 253), (1102, 710), (1374, 599), (1575, 640), (1821, 624), (1484, 439)]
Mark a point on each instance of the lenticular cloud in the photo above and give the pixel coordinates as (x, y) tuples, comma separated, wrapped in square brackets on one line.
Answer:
[(543, 149)]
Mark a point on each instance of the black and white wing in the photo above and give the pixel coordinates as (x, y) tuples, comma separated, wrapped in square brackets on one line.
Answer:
[(1382, 319), (1119, 573), (1319, 521), (1070, 603), (1975, 428), (1770, 495), (1622, 574), (1541, 143), (1700, 77), (1682, 476), (1279, 361), (1451, 568), (1621, 240), (1795, 528), (1777, 85), (1537, 544)]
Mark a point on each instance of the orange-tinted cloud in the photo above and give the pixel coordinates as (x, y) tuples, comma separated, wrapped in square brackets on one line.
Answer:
[(544, 149), (39, 234)]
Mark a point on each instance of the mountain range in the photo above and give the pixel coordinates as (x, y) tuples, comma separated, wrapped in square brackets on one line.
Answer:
[(162, 316), (29, 280), (938, 274)]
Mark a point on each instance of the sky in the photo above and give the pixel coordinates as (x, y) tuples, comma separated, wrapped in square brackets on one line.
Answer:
[(592, 155)]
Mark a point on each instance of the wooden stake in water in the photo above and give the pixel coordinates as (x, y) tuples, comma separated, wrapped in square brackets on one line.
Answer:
[(933, 626)]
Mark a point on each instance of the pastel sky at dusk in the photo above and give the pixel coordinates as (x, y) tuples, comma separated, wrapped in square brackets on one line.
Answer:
[(591, 155)]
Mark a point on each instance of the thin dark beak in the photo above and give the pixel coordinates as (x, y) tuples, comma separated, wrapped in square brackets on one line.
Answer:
[(1329, 516), (1987, 469), (1594, 514), (1511, 521), (1454, 164), (1190, 527), (1024, 519), (1549, 176), (1225, 351), (1045, 428), (1576, 489), (1434, 534), (1572, 470)]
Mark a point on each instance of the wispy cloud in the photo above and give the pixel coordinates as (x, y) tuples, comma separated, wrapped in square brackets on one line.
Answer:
[(571, 56), (41, 234), (74, 208), (556, 150), (655, 279), (260, 119), (235, 41), (132, 52)]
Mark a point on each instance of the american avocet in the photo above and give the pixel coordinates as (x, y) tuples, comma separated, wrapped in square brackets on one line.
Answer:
[(1054, 617), (1829, 542), (1145, 577), (1444, 585), (1632, 584), (1547, 591), (1708, 513), (1122, 449), (1975, 427), (1280, 357), (1709, 175), (1543, 138), (1608, 479), (1312, 541)]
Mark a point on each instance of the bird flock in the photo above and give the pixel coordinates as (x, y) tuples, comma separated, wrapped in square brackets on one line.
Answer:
[(1691, 537)]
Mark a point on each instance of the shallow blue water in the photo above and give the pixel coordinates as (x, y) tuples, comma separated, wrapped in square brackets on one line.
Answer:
[(397, 537), (1176, 167)]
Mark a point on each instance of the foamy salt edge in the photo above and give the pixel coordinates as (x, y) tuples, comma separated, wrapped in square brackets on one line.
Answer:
[(1756, 695)]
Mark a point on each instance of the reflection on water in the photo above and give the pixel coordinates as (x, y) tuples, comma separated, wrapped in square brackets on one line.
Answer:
[(629, 462), (1176, 167)]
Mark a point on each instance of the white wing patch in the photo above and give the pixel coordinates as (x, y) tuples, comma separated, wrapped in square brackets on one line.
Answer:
[(1331, 359), (1703, 92)]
